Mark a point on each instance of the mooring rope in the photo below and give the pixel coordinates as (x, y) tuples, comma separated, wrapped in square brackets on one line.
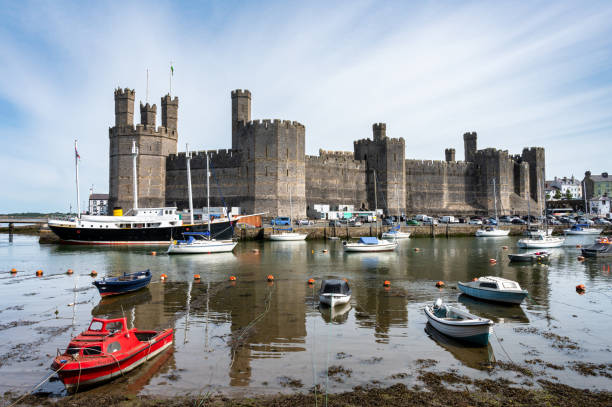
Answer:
[(36, 387)]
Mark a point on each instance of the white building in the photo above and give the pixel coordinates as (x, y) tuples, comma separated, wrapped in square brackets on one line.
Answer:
[(98, 204), (599, 206), (573, 185)]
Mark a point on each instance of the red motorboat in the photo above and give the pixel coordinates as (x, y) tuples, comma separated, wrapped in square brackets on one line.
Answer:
[(107, 349)]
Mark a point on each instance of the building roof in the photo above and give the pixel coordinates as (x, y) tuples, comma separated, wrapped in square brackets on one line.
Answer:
[(98, 196), (603, 177)]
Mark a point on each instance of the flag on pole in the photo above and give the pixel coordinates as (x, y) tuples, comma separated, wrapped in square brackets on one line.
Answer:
[(172, 70), (76, 152)]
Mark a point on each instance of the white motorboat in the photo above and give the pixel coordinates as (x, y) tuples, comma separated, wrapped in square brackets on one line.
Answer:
[(334, 292), (541, 242), (531, 232), (494, 289), (458, 324), (369, 244), (539, 256), (287, 236), (199, 243), (582, 230), (491, 231), (395, 233)]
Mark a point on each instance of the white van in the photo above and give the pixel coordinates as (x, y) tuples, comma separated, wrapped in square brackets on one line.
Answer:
[(449, 219), (421, 218)]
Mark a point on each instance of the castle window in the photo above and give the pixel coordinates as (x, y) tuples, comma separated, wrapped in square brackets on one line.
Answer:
[(287, 172), (287, 153), (266, 154), (266, 167)]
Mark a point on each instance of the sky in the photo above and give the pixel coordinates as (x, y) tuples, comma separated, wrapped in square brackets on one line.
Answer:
[(520, 74)]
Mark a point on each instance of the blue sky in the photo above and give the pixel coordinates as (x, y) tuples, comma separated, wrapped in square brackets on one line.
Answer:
[(518, 73)]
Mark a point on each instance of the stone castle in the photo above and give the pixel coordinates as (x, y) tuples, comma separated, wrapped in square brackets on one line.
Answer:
[(267, 168)]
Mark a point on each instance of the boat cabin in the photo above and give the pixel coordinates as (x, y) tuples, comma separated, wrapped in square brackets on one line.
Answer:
[(496, 283), (335, 287)]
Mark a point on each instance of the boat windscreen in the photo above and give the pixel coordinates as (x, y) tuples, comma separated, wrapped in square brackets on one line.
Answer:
[(335, 288)]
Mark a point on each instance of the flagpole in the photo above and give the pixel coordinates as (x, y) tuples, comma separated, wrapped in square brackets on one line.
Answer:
[(147, 98), (170, 80), (76, 166)]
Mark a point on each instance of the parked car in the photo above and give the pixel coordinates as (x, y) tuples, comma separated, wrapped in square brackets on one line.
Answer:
[(335, 222), (304, 222), (430, 221), (492, 221), (518, 221), (355, 223), (602, 222), (449, 219), (554, 221), (412, 222), (280, 220), (387, 221), (506, 219), (475, 221)]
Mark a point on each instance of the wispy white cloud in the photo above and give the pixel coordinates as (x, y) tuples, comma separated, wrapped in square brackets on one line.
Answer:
[(520, 74)]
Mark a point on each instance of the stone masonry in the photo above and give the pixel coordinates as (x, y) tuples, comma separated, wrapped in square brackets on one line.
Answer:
[(267, 170)]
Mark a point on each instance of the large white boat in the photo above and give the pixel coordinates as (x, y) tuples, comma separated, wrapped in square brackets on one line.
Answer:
[(334, 292), (199, 243), (582, 230), (532, 232), (493, 288), (369, 244), (540, 242), (493, 231), (395, 233)]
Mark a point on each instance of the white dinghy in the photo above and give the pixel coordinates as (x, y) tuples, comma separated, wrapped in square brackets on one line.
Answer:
[(334, 292), (458, 324)]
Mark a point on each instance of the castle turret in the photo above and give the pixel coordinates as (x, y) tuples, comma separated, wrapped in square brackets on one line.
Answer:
[(241, 111), (449, 154), (169, 112), (379, 131), (147, 114), (535, 157), (124, 107), (470, 146)]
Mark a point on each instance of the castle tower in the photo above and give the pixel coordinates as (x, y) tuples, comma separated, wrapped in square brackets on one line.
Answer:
[(147, 114), (169, 112), (535, 157), (470, 146), (241, 111), (449, 154), (379, 131), (154, 146), (124, 107), (386, 167)]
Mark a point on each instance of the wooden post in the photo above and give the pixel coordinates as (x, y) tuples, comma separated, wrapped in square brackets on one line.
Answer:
[(11, 231)]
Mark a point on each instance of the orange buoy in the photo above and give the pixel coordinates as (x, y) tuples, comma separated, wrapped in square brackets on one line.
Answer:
[(13, 271), (580, 288), (311, 281), (345, 280), (69, 271), (387, 283), (39, 273), (232, 278), (196, 276), (492, 261), (580, 258), (416, 249), (153, 253), (270, 277), (93, 273), (440, 284), (475, 279), (163, 277)]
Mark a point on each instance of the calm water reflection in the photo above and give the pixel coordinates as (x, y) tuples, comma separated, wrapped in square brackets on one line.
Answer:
[(380, 333)]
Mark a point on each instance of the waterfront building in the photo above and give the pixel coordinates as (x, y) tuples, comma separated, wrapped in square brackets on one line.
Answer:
[(267, 169), (597, 185), (600, 206), (98, 204), (563, 185)]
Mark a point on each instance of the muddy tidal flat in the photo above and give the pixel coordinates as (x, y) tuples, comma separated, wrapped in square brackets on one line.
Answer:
[(255, 342)]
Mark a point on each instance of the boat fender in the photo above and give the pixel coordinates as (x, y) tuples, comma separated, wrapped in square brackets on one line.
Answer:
[(492, 261), (69, 271), (580, 258), (232, 278), (440, 284), (13, 271), (153, 253), (580, 288), (311, 281), (270, 277), (387, 283)]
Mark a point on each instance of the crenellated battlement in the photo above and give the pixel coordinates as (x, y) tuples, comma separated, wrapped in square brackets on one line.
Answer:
[(269, 123), (125, 92), (492, 152), (386, 140), (241, 93), (436, 167), (333, 154), (144, 130), (169, 99), (148, 107), (223, 158)]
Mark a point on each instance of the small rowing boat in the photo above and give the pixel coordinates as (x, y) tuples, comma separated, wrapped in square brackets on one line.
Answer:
[(539, 256), (334, 292), (458, 324), (126, 283)]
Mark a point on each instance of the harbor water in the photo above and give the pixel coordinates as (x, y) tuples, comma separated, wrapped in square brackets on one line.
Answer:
[(252, 336)]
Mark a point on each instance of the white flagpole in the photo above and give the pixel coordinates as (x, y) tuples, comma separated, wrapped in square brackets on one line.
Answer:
[(147, 98), (188, 157), (134, 172), (170, 79), (76, 165)]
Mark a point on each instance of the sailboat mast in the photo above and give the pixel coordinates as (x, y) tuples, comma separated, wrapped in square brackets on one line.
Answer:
[(586, 209), (495, 201), (135, 172), (188, 157), (528, 211), (290, 206), (76, 166), (208, 193)]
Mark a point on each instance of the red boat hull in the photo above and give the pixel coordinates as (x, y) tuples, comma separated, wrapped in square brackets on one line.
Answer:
[(94, 370)]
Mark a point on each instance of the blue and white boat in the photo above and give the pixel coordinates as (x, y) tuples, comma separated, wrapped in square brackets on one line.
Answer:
[(458, 324), (126, 283), (395, 233), (370, 244), (200, 243), (494, 289), (582, 229)]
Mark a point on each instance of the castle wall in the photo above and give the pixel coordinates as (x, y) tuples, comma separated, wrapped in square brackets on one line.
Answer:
[(335, 178)]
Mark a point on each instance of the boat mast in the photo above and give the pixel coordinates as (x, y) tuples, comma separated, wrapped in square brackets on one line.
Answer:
[(528, 211), (188, 156), (586, 209), (290, 206), (135, 173), (208, 194), (375, 197), (76, 166), (495, 202)]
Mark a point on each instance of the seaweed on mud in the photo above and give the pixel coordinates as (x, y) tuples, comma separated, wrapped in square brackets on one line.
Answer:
[(14, 324), (425, 363), (593, 369), (543, 363), (514, 367), (434, 380), (342, 355), (373, 360), (559, 342), (398, 376), (290, 382), (339, 373)]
